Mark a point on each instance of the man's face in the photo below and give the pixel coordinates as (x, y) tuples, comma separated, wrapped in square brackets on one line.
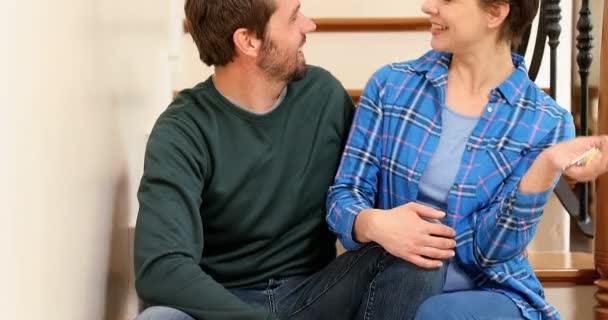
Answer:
[(281, 56)]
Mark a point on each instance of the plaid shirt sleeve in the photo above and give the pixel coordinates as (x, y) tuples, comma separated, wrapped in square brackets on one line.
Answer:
[(356, 181), (507, 225)]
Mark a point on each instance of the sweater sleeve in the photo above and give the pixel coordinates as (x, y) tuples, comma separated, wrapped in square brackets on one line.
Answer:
[(169, 232)]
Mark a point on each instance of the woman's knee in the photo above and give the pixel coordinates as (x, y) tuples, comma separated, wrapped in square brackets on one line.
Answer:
[(436, 308), (163, 313)]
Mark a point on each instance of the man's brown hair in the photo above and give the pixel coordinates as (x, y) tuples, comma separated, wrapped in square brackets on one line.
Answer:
[(212, 23)]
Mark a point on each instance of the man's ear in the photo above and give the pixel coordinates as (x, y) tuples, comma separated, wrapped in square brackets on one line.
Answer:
[(246, 43), (497, 14)]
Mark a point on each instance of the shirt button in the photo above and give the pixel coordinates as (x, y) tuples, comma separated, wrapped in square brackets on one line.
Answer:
[(455, 187), (490, 109), (470, 148)]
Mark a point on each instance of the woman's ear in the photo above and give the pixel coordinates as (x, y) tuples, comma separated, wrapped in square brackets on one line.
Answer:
[(497, 14)]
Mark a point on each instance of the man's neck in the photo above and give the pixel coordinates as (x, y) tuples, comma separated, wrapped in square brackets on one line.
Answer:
[(248, 88)]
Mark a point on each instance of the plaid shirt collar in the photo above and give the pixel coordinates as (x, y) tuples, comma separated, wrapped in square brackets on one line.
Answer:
[(435, 64)]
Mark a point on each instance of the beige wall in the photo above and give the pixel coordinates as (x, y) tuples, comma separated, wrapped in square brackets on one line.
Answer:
[(85, 77), (68, 159), (8, 160)]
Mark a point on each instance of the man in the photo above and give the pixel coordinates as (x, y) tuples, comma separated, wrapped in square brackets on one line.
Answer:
[(232, 221)]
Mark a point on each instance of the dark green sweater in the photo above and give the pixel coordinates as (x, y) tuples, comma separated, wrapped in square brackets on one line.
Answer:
[(230, 199)]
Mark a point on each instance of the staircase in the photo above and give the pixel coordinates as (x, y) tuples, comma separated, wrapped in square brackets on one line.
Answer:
[(354, 38)]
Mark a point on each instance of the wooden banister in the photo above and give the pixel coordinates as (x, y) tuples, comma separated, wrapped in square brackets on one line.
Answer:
[(601, 232), (365, 24), (372, 24)]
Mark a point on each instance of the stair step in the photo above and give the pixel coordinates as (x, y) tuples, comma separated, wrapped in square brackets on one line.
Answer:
[(559, 269)]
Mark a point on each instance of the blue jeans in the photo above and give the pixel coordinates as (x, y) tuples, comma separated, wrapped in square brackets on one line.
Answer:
[(365, 284), (469, 305)]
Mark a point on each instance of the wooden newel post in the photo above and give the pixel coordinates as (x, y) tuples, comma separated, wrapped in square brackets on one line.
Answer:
[(601, 233)]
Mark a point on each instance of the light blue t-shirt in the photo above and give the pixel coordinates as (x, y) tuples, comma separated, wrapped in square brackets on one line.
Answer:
[(439, 176)]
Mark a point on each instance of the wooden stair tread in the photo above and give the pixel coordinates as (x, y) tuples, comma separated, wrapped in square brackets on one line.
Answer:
[(557, 269)]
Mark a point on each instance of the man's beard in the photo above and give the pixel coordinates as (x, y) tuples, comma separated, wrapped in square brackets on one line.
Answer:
[(279, 65)]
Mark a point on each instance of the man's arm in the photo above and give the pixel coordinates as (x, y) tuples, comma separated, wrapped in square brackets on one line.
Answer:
[(169, 233)]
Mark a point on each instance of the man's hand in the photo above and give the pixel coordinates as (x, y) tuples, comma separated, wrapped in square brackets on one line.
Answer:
[(404, 233)]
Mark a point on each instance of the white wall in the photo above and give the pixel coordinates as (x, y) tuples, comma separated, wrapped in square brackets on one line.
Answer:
[(139, 77), (138, 53), (8, 161), (66, 160), (81, 80)]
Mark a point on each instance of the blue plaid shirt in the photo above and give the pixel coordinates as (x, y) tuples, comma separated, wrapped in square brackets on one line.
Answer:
[(396, 130)]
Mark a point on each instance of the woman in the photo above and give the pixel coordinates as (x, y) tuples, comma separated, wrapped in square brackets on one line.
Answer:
[(461, 135)]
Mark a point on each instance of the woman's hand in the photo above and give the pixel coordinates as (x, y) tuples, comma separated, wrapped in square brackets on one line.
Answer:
[(408, 232), (557, 158), (562, 156)]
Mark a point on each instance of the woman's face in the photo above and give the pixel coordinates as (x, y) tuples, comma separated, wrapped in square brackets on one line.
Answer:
[(457, 25)]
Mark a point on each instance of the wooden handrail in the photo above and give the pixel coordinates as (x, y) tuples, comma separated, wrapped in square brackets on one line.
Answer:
[(372, 24), (365, 24), (601, 231)]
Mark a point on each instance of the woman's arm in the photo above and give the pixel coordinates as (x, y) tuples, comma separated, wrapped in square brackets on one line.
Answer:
[(401, 230), (505, 227)]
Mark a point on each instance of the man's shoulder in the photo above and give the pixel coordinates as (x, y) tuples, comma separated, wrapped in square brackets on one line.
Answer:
[(188, 103), (317, 84), (320, 76), (318, 72), (185, 114)]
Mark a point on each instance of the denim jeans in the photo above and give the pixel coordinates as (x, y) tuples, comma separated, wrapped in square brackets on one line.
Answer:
[(365, 284), (469, 305)]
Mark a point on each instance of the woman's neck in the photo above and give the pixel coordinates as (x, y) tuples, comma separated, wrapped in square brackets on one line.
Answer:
[(479, 71)]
